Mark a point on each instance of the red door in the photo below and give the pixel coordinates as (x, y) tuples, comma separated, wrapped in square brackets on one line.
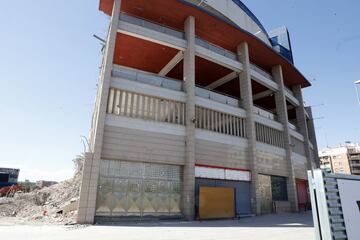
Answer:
[(301, 187)]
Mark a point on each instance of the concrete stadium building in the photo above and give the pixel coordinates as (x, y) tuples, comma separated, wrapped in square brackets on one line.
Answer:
[(199, 114)]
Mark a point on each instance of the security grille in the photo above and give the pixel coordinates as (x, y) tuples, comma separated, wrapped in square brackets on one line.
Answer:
[(138, 189)]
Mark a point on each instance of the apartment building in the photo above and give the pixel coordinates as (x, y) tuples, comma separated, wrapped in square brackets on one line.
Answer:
[(199, 114), (343, 159), (354, 158), (335, 160)]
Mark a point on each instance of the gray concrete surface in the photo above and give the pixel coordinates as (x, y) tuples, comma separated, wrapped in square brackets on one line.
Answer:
[(270, 227)]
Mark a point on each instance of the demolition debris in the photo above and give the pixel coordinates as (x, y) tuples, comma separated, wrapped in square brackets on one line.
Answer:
[(54, 204)]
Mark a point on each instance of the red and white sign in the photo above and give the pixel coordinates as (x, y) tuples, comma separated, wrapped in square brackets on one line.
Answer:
[(212, 172)]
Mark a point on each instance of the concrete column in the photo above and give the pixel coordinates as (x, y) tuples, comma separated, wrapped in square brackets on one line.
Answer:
[(188, 192), (312, 136), (302, 124), (247, 104), (89, 185), (281, 109)]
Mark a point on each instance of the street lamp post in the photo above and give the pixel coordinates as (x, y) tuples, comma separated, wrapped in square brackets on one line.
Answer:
[(357, 87)]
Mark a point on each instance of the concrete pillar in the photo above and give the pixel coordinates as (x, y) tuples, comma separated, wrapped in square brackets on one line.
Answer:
[(89, 185), (247, 104), (302, 124), (312, 136), (188, 192), (281, 109)]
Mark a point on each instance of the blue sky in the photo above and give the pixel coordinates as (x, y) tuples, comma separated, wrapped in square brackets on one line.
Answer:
[(49, 69), (326, 48)]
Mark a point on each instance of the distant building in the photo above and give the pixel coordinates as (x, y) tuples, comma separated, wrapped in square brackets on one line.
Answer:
[(342, 159), (8, 176), (335, 160), (354, 158), (43, 183)]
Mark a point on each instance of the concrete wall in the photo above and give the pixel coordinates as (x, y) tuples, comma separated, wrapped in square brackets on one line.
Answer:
[(147, 144), (298, 146), (220, 154), (270, 162), (138, 145), (300, 166)]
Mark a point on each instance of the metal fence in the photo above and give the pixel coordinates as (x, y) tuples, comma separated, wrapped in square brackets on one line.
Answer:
[(335, 200)]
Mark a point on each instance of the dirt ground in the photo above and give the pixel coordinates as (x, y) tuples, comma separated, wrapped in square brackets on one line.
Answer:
[(297, 226)]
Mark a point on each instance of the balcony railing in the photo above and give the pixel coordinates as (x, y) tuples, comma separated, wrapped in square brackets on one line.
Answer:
[(152, 25), (219, 122), (355, 157), (292, 126), (177, 85), (261, 71), (216, 49), (231, 55), (355, 164), (269, 135), (289, 91), (217, 97), (148, 78), (263, 113), (173, 84), (135, 105)]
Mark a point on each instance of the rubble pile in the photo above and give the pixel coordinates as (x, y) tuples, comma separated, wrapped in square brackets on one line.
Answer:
[(44, 205)]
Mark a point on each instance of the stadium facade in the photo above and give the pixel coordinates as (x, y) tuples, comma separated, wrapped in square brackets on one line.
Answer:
[(199, 113)]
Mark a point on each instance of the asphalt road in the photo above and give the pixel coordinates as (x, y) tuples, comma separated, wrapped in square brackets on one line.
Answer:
[(297, 226)]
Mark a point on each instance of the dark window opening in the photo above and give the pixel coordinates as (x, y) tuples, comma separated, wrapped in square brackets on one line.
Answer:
[(4, 177), (279, 188)]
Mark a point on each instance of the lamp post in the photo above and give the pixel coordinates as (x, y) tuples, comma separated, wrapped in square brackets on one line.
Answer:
[(357, 88)]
